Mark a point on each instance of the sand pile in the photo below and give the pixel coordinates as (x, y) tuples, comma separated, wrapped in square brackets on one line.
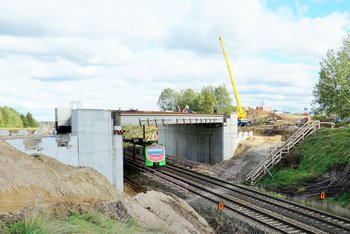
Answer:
[(27, 180), (248, 154)]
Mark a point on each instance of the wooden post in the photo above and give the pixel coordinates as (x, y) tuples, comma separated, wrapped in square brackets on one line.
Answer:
[(144, 131)]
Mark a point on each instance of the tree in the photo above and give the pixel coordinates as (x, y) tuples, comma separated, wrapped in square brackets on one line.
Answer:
[(223, 101), (206, 100), (31, 121), (10, 118), (168, 99), (24, 120), (332, 92), (188, 97)]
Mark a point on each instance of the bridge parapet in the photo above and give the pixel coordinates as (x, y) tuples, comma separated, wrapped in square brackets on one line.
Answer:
[(165, 118)]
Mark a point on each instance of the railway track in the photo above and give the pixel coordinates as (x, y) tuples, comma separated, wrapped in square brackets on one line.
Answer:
[(272, 220), (311, 219)]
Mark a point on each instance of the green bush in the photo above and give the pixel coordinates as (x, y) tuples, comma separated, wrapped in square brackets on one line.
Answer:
[(16, 228)]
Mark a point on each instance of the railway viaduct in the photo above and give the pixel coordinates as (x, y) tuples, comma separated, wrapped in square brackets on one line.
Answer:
[(95, 137)]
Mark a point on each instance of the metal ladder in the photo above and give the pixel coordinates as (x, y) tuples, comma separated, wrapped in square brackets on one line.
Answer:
[(276, 155)]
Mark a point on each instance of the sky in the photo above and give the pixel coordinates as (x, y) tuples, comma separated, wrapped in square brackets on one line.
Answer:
[(115, 54)]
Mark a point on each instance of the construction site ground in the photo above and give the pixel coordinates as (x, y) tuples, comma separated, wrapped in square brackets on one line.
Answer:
[(249, 153)]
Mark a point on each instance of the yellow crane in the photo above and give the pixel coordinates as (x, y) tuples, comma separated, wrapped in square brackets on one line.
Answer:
[(240, 112)]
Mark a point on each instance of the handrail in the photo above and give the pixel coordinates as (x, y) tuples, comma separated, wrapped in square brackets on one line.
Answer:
[(271, 158), (276, 151), (276, 155)]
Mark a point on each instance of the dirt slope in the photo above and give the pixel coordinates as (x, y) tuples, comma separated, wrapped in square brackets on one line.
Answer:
[(31, 184), (249, 154), (166, 210), (27, 180)]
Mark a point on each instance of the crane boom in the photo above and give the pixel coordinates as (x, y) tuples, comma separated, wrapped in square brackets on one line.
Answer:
[(240, 112)]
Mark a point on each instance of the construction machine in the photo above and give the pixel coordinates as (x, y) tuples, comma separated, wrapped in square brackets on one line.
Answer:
[(241, 114)]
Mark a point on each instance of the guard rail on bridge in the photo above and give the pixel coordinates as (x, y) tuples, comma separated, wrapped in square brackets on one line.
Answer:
[(164, 118)]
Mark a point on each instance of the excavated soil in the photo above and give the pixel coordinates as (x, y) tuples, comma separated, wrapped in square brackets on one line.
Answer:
[(153, 208), (260, 117), (221, 222), (248, 154), (27, 180), (40, 184)]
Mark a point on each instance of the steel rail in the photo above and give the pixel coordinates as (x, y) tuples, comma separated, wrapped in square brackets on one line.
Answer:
[(273, 222), (148, 170), (327, 221)]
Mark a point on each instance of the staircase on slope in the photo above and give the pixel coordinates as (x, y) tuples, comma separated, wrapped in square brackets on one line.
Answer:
[(275, 156)]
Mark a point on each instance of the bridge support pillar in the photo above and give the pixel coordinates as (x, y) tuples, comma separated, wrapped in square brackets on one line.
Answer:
[(98, 147), (117, 163)]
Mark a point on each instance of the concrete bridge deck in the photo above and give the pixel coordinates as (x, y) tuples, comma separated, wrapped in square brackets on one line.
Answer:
[(123, 118)]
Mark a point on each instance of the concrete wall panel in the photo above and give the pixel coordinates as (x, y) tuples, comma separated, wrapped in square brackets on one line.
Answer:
[(102, 162), (17, 143), (4, 132), (205, 143), (117, 162), (63, 116), (85, 143), (48, 146), (101, 142), (197, 143), (94, 132), (100, 127)]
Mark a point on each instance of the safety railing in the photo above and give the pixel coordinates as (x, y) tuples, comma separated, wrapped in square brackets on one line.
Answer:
[(276, 155)]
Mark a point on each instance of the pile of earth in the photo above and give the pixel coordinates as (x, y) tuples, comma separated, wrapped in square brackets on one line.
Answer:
[(286, 131), (28, 180), (36, 183), (262, 117), (156, 209), (248, 155)]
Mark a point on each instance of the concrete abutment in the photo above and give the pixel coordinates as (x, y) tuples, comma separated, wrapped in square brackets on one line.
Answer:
[(207, 143)]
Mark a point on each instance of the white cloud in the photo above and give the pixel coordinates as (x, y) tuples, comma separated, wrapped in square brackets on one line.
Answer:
[(112, 54)]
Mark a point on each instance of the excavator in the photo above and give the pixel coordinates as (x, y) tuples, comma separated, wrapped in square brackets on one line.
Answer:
[(241, 114)]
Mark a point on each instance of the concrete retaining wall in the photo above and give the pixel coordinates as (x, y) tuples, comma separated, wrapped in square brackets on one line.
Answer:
[(94, 129), (48, 146)]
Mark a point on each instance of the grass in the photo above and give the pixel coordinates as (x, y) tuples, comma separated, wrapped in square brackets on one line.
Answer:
[(328, 205), (136, 131), (271, 193), (90, 223), (16, 129), (316, 154)]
